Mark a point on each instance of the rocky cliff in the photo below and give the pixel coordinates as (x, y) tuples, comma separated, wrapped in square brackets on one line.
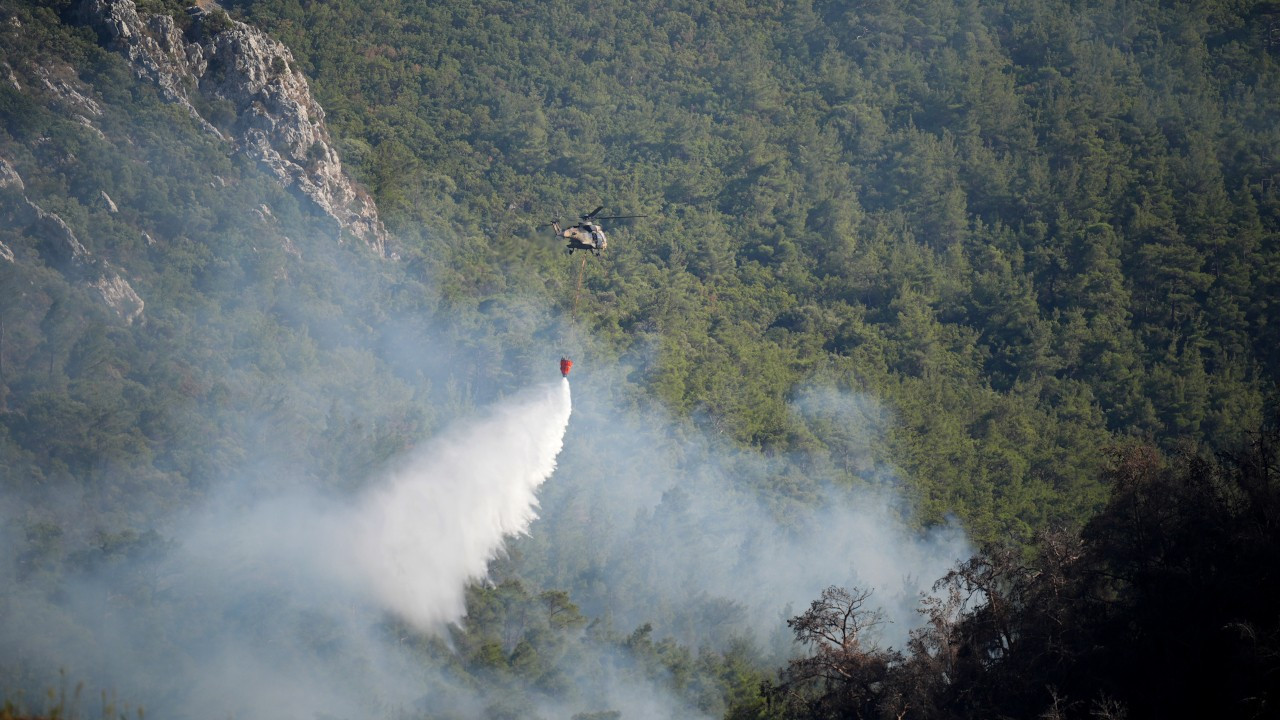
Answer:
[(60, 248), (265, 107)]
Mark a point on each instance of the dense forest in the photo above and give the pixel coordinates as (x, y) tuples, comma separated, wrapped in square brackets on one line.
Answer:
[(987, 290), (1029, 227)]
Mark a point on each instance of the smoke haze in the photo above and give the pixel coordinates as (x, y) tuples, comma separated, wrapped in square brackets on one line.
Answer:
[(723, 543), (280, 603), (257, 604)]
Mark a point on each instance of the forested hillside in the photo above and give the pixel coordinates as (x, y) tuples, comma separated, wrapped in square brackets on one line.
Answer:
[(911, 279), (1030, 228)]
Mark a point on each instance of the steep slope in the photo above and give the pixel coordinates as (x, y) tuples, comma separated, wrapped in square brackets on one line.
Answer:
[(960, 247), (158, 270), (248, 82), (1030, 229), (59, 247)]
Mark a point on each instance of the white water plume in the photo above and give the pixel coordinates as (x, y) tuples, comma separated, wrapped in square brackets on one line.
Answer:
[(279, 603), (441, 517)]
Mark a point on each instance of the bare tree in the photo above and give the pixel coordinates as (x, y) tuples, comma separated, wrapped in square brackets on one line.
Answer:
[(843, 673)]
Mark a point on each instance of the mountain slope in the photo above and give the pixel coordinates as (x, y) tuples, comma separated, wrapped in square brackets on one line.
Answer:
[(954, 251), (1031, 229)]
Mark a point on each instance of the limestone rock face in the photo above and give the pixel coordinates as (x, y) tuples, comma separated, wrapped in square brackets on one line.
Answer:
[(57, 243), (10, 76), (119, 295), (73, 101), (157, 53), (60, 248), (9, 178), (232, 65)]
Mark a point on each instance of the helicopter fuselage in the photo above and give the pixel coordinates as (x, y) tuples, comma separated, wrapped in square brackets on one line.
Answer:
[(585, 236)]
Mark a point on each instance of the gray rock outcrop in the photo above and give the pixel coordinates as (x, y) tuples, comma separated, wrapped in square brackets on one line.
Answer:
[(60, 248), (272, 114), (155, 50)]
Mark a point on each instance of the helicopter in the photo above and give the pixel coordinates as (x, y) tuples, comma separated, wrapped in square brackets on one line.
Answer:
[(587, 234)]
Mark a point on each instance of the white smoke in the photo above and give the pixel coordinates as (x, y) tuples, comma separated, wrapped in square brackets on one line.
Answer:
[(412, 543), (710, 542), (282, 603), (267, 605)]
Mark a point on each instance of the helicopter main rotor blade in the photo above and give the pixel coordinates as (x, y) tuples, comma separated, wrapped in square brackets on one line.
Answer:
[(618, 217), (591, 214)]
